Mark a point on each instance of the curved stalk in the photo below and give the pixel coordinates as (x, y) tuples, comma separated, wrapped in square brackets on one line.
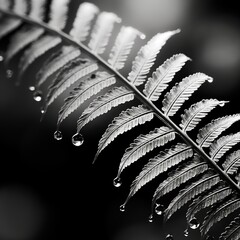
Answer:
[(165, 119)]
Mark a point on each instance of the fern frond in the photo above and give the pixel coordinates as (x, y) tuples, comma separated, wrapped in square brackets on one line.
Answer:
[(232, 231), (207, 200), (193, 115), (181, 92), (163, 75), (58, 14), (205, 183), (212, 130), (147, 56), (123, 46), (222, 145), (178, 177), (160, 164), (37, 11), (84, 91), (216, 215), (146, 143), (232, 163), (103, 104), (102, 31), (126, 121), (71, 73), (21, 39), (37, 49), (55, 62), (82, 23)]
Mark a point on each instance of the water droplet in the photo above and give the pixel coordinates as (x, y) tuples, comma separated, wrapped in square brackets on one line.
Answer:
[(186, 233), (142, 36), (42, 110), (37, 96), (222, 104), (150, 218), (32, 88), (9, 73), (77, 140), (117, 182), (58, 135), (1, 58), (159, 209), (194, 224), (169, 237), (210, 80), (122, 208)]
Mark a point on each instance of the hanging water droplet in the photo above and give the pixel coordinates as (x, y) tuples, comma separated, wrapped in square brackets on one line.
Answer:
[(32, 88), (169, 237), (150, 218), (122, 208), (9, 73), (58, 135), (210, 80), (194, 224), (117, 182), (1, 58), (222, 104), (77, 139), (159, 209), (37, 96), (186, 233), (142, 36), (42, 110)]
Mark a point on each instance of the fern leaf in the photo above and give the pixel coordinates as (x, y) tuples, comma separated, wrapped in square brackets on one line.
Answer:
[(55, 62), (205, 183), (102, 31), (126, 121), (146, 143), (122, 47), (82, 23), (216, 215), (222, 145), (147, 56), (8, 25), (178, 177), (160, 164), (84, 91), (20, 7), (103, 104), (232, 231), (37, 9), (21, 39), (58, 14), (212, 130), (5, 4), (207, 200), (71, 73), (163, 75), (197, 112), (232, 163), (36, 50), (182, 91)]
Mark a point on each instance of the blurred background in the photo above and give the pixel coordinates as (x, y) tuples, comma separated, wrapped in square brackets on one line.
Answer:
[(51, 190)]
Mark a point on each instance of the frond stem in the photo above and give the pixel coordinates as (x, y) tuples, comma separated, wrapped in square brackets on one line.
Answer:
[(165, 119)]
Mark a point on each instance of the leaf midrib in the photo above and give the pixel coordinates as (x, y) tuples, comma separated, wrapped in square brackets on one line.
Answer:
[(139, 95)]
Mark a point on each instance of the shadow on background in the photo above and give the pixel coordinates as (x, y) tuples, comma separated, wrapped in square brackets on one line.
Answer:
[(49, 189)]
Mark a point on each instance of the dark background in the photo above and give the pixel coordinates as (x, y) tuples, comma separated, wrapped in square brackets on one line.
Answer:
[(52, 186)]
